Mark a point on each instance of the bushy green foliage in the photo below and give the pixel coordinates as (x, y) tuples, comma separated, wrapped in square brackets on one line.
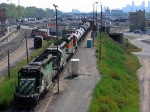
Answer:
[(27, 12), (7, 84), (131, 47), (117, 91)]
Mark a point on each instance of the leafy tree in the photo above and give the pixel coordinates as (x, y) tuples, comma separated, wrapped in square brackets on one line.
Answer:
[(14, 12)]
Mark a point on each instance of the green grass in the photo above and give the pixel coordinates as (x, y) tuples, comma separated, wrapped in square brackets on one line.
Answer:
[(7, 84), (117, 91), (131, 47)]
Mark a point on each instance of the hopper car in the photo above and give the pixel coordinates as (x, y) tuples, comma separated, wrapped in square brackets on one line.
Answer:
[(38, 40)]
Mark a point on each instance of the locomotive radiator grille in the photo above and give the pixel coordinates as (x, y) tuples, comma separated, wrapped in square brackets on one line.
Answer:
[(27, 86)]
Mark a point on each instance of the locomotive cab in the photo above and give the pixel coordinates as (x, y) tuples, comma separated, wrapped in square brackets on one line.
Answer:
[(27, 91)]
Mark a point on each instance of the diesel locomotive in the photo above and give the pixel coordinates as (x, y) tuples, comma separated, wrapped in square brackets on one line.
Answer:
[(36, 77)]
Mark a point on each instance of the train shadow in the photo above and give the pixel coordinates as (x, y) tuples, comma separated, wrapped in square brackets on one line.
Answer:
[(31, 48), (70, 77)]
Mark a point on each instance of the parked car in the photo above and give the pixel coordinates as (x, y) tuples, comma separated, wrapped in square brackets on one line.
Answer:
[(137, 31), (143, 32)]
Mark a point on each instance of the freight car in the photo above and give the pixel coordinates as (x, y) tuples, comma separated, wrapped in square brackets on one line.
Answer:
[(38, 42), (37, 75), (80, 33), (33, 80), (18, 26), (37, 32)]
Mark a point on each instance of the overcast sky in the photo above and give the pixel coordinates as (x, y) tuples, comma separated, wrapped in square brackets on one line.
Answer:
[(68, 5)]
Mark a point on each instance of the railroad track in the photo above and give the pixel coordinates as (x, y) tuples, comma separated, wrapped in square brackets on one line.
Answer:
[(14, 44)]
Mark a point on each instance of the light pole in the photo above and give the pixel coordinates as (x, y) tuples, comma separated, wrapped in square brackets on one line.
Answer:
[(93, 25), (96, 17), (100, 34), (56, 7), (18, 9)]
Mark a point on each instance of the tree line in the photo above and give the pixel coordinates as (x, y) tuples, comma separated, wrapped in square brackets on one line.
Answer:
[(16, 12)]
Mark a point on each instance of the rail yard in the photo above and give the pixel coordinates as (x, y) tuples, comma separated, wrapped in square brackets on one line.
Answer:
[(88, 64), (13, 43), (71, 50)]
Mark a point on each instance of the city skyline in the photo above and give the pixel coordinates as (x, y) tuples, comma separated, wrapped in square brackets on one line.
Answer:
[(68, 5)]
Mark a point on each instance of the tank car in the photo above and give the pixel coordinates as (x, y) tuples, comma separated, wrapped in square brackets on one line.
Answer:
[(38, 42), (91, 23), (33, 80), (86, 26), (79, 33)]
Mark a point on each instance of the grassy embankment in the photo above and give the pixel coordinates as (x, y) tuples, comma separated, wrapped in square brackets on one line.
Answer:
[(117, 91), (7, 84)]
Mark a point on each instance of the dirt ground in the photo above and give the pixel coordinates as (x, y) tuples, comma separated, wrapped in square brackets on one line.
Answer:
[(144, 71), (144, 83)]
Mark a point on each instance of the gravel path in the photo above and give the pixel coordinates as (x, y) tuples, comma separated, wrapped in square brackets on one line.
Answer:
[(75, 94), (144, 83)]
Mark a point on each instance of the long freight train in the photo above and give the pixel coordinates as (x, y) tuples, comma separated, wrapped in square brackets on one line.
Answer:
[(36, 77)]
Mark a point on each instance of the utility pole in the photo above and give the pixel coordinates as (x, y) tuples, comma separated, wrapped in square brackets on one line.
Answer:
[(56, 7), (93, 25), (26, 47), (8, 65), (96, 17), (18, 9), (100, 35)]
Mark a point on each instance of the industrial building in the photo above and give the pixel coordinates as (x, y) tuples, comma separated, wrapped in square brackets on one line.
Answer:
[(3, 27), (116, 12), (138, 21)]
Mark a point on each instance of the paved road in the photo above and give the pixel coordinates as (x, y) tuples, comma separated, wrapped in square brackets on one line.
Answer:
[(75, 95)]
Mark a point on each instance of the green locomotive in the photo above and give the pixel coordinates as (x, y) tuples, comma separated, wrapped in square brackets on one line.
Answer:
[(37, 75), (33, 80)]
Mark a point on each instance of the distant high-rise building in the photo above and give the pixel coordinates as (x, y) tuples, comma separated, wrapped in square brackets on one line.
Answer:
[(75, 11), (104, 9), (127, 8), (133, 6), (143, 5), (149, 6), (107, 11)]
